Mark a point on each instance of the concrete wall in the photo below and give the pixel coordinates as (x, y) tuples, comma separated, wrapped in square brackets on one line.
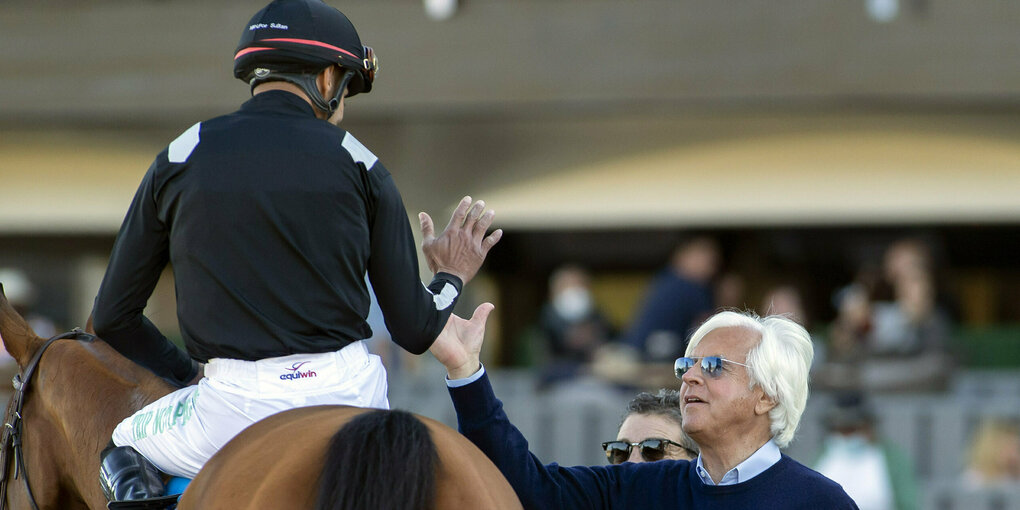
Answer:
[(131, 62)]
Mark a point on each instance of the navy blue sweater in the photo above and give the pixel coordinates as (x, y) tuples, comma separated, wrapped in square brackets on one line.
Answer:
[(646, 486)]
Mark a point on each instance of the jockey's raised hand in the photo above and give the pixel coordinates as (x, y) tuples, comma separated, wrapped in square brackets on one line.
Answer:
[(461, 248), (459, 345)]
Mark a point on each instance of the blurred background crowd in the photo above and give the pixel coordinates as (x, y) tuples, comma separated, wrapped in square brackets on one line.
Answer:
[(854, 165)]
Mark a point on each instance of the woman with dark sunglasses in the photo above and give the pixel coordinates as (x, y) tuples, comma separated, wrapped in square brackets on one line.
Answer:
[(652, 430)]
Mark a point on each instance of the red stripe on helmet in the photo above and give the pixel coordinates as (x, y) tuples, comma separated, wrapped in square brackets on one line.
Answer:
[(250, 50), (313, 43)]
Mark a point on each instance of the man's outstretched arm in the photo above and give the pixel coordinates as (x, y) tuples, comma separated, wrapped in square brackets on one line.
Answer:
[(480, 417)]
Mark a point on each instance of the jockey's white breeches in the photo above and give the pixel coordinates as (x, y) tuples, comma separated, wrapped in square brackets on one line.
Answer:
[(181, 431)]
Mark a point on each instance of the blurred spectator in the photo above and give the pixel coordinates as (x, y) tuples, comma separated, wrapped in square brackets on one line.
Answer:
[(652, 430), (570, 324), (875, 473), (678, 300), (911, 324), (994, 458), (905, 258), (730, 290), (898, 345), (785, 300), (852, 325)]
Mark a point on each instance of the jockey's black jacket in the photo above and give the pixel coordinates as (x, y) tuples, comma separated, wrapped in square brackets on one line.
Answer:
[(270, 218)]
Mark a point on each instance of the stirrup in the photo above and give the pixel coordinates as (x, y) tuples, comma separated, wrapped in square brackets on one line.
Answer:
[(160, 503)]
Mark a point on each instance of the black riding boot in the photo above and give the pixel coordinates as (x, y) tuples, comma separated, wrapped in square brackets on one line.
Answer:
[(127, 476)]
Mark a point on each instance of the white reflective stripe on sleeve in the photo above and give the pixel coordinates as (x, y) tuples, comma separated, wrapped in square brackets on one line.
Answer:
[(445, 298), (181, 148), (359, 152)]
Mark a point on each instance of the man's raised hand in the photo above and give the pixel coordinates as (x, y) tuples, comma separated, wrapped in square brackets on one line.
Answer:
[(458, 347)]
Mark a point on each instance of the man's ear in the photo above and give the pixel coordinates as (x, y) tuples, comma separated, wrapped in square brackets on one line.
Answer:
[(324, 81), (764, 404)]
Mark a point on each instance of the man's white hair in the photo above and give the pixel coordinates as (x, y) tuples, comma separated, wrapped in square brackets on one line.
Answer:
[(778, 364)]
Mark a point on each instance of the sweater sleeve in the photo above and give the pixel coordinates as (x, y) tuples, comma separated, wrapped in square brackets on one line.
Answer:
[(139, 255), (481, 419), (414, 313)]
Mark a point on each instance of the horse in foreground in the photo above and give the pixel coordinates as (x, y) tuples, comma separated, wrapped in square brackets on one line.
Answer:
[(379, 460), (77, 389)]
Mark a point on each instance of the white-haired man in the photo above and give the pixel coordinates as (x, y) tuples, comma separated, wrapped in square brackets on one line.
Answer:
[(744, 389)]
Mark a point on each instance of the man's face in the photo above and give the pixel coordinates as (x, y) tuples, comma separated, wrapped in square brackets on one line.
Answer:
[(717, 409), (639, 427)]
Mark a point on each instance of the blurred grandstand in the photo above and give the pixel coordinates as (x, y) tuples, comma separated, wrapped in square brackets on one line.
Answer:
[(806, 137)]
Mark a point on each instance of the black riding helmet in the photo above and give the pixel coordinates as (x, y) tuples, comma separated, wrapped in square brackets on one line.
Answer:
[(293, 40)]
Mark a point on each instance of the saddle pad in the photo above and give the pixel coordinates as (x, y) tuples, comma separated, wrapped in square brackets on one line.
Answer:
[(176, 485)]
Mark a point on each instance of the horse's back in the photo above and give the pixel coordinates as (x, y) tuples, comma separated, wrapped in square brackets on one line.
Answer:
[(276, 463), (468, 479)]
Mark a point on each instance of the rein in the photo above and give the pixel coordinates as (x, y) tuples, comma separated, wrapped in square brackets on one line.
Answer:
[(13, 421)]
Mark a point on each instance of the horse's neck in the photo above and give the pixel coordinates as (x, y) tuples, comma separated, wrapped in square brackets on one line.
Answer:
[(84, 389), (124, 379)]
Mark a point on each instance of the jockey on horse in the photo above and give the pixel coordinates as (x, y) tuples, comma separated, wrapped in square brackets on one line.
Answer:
[(272, 217)]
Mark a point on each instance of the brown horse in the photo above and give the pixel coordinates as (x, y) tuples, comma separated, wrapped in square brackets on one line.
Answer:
[(80, 390), (77, 394)]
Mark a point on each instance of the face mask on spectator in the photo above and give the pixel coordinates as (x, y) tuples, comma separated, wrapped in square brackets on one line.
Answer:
[(573, 304)]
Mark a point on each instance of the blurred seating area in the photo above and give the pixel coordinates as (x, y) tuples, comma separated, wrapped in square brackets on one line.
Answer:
[(934, 395), (545, 369)]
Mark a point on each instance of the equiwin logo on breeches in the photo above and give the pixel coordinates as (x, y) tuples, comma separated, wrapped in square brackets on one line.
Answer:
[(296, 373)]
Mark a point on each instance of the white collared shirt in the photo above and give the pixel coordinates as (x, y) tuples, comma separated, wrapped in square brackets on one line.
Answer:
[(756, 464)]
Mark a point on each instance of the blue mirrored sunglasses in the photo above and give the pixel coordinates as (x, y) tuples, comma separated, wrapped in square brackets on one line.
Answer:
[(710, 365)]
